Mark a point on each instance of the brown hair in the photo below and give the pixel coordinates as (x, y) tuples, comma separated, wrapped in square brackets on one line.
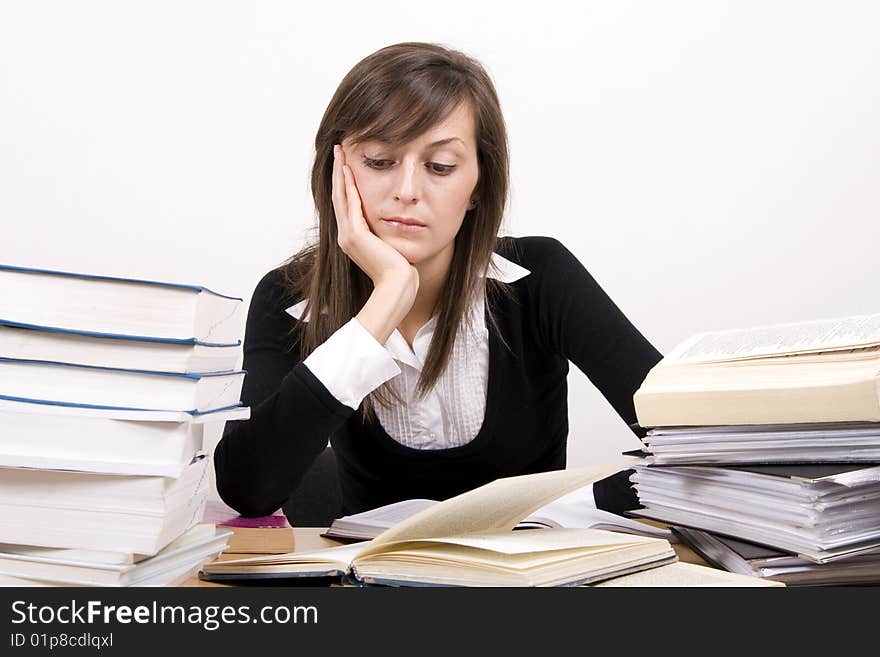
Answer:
[(395, 95)]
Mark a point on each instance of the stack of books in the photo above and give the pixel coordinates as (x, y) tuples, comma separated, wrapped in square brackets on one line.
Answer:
[(764, 449), (107, 387)]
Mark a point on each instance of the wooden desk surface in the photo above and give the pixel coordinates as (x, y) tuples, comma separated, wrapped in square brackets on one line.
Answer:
[(308, 538)]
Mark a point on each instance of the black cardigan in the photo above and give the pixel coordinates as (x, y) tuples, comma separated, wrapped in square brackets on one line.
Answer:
[(558, 313)]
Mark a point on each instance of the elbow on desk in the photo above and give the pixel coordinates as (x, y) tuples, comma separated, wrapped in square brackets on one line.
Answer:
[(240, 492)]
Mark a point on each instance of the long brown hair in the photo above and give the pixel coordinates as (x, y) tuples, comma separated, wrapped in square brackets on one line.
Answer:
[(395, 95)]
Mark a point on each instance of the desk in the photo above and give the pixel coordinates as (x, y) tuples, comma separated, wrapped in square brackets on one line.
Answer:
[(309, 538)]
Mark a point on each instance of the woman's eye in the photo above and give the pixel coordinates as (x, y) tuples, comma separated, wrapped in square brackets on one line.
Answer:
[(441, 169), (377, 164), (434, 167)]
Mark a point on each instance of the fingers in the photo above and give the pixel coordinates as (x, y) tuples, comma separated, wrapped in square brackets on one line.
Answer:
[(340, 201), (338, 184), (353, 197)]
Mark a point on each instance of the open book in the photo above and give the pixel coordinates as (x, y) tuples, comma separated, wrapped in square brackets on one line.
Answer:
[(467, 541), (573, 510), (820, 371)]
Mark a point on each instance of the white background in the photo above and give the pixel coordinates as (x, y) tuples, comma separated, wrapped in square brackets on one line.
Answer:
[(713, 164)]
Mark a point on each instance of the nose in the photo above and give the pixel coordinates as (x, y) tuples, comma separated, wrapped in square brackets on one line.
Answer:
[(407, 184)]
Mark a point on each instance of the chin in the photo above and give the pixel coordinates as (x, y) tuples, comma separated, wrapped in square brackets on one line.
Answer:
[(413, 253)]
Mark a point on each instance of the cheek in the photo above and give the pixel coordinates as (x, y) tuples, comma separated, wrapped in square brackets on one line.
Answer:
[(454, 201), (371, 194)]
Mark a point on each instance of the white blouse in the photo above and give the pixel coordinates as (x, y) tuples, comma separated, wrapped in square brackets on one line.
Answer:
[(351, 363)]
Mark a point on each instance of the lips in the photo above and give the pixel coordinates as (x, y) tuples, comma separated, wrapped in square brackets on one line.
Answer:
[(404, 224), (406, 221)]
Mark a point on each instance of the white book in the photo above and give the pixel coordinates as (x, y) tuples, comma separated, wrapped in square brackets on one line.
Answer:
[(54, 437), (199, 532), (173, 577), (118, 306), (28, 342), (194, 547), (106, 387), (807, 372), (110, 513)]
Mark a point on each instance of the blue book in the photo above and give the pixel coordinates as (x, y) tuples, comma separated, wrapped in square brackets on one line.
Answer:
[(110, 388), (29, 342), (108, 306)]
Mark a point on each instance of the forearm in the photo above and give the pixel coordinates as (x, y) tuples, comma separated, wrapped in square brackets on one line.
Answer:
[(260, 461), (388, 306)]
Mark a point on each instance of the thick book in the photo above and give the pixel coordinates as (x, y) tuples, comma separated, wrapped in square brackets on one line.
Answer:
[(118, 306), (197, 546), (196, 532), (270, 534), (468, 540), (751, 559), (806, 372), (60, 437), (573, 510), (838, 442), (44, 343), (108, 513), (821, 512), (103, 387)]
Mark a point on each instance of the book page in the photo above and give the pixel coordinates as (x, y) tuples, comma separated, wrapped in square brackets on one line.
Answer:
[(542, 540), (779, 339), (686, 574), (340, 556), (573, 510), (385, 516), (495, 507)]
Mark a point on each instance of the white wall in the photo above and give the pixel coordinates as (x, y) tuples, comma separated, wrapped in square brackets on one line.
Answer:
[(713, 164)]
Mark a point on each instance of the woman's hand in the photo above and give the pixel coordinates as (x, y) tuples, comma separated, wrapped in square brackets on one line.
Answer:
[(395, 280), (378, 260)]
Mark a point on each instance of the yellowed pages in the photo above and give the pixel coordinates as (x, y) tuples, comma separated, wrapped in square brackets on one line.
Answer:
[(495, 507)]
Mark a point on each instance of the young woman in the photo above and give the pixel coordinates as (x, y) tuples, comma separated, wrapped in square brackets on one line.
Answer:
[(430, 352)]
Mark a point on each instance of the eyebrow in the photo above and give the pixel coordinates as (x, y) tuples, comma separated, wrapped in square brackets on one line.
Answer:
[(443, 142), (439, 142)]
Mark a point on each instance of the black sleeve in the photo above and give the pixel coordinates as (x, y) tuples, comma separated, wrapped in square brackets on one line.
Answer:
[(577, 319), (260, 461)]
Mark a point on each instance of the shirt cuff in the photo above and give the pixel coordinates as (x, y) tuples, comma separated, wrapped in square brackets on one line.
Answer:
[(351, 364)]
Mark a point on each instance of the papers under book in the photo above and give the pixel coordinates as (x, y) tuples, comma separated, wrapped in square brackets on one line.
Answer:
[(755, 560), (467, 541), (819, 512), (840, 442), (115, 306), (99, 387), (808, 372)]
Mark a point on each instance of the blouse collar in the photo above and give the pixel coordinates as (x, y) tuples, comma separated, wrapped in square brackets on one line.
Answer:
[(500, 269)]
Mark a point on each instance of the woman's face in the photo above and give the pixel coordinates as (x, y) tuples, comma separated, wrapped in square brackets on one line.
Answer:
[(414, 196)]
